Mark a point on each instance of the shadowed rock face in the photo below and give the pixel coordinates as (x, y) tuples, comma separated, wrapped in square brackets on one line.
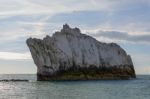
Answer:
[(71, 55)]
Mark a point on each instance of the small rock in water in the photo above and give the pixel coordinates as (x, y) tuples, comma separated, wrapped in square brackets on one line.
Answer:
[(14, 80)]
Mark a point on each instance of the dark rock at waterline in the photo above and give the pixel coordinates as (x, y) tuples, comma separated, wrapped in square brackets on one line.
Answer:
[(71, 55), (14, 80)]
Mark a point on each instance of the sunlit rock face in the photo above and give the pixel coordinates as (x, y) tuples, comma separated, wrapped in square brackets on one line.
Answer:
[(71, 55)]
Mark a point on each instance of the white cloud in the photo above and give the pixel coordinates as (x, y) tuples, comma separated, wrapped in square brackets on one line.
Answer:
[(15, 56), (22, 29), (30, 7)]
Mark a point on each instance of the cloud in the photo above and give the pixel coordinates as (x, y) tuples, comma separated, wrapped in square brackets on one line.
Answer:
[(36, 17), (15, 56), (30, 7), (122, 36), (12, 29)]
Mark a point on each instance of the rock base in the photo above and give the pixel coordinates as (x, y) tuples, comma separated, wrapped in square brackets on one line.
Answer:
[(91, 73)]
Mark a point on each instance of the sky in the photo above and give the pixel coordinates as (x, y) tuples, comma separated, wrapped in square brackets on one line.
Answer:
[(125, 22)]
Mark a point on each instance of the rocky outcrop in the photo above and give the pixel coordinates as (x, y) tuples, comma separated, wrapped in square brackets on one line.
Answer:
[(71, 55)]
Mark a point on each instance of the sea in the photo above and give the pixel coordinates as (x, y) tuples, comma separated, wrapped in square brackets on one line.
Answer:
[(138, 88)]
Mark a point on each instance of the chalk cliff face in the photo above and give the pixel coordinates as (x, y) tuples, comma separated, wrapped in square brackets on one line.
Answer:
[(71, 55)]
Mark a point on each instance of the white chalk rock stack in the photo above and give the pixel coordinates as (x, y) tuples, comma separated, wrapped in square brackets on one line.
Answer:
[(71, 55)]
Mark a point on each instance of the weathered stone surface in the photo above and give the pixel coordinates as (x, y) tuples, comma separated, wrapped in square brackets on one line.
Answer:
[(71, 55)]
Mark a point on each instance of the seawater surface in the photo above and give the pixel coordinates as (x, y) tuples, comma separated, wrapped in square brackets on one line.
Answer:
[(98, 89)]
